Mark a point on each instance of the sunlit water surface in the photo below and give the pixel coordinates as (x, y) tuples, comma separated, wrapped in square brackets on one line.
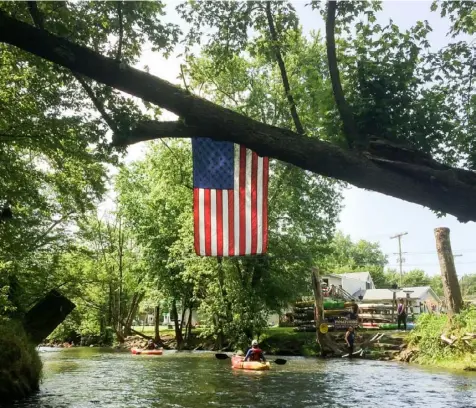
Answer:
[(90, 377)]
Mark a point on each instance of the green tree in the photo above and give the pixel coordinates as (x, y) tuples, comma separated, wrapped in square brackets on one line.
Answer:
[(410, 160), (55, 130), (414, 277)]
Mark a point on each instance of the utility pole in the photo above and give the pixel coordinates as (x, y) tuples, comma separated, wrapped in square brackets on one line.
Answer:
[(400, 259)]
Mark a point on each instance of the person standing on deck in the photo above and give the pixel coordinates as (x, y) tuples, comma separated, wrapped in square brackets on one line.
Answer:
[(349, 339), (401, 315), (255, 353)]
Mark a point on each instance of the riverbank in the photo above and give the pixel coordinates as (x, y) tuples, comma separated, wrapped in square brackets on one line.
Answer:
[(438, 341), (20, 365), (284, 341)]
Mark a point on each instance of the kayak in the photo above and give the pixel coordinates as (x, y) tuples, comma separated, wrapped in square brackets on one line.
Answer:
[(240, 363), (367, 325), (150, 352)]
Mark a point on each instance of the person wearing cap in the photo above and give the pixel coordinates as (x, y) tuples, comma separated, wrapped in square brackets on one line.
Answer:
[(255, 353)]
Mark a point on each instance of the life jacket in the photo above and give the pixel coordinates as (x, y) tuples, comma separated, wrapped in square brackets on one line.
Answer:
[(255, 354)]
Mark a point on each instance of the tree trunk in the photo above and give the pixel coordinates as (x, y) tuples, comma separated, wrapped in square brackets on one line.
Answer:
[(40, 321), (188, 327), (182, 318), (178, 332), (417, 179), (157, 323), (325, 342), (136, 299), (451, 287)]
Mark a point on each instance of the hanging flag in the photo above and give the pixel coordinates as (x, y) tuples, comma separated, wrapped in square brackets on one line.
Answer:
[(230, 199)]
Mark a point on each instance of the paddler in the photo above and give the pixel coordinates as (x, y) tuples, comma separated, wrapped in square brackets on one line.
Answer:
[(151, 345), (255, 353)]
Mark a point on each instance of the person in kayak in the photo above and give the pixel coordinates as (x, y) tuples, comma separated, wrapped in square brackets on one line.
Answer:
[(349, 339), (151, 345), (255, 353)]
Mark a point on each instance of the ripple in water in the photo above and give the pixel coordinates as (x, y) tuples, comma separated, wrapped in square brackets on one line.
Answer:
[(85, 377)]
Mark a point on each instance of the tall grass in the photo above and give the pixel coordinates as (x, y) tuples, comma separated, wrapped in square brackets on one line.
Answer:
[(426, 337), (20, 365)]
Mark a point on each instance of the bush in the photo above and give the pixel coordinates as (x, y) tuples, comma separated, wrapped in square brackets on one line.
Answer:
[(20, 365), (432, 350)]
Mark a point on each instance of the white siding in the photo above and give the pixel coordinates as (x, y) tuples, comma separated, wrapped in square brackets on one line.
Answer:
[(353, 285)]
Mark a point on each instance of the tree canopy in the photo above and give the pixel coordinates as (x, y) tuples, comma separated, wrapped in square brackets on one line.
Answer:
[(364, 103), (406, 113)]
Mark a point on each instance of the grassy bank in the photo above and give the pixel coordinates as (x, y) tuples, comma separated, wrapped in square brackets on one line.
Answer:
[(287, 342), (20, 365), (427, 348)]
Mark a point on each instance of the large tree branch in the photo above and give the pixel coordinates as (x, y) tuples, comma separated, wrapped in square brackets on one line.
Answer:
[(354, 139), (282, 70), (447, 190)]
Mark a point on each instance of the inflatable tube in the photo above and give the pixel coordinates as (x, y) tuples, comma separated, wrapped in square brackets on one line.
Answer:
[(148, 352), (238, 362)]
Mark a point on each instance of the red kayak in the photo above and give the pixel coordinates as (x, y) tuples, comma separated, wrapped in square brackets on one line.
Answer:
[(149, 352)]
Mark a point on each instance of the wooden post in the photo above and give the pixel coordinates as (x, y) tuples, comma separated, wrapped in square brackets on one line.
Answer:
[(451, 287), (325, 342)]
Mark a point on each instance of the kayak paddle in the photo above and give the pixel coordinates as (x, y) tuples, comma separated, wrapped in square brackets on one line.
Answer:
[(278, 361)]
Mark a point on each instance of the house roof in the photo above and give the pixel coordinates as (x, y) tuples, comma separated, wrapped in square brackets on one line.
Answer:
[(362, 276), (386, 294)]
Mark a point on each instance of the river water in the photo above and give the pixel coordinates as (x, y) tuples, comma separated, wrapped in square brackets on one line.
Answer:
[(91, 377)]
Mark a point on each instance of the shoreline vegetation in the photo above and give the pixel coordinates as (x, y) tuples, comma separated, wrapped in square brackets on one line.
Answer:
[(20, 364), (423, 345)]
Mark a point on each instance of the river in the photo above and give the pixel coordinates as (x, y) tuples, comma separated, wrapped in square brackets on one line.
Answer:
[(91, 377)]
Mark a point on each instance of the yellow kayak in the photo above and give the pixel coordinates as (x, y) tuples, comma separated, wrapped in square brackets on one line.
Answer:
[(238, 362)]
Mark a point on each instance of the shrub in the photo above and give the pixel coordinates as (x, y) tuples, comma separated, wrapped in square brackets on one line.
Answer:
[(430, 327), (20, 365)]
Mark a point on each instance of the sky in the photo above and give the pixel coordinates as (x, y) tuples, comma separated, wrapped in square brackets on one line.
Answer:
[(366, 215)]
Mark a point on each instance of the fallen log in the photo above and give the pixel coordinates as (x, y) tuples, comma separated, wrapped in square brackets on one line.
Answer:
[(447, 340), (46, 315)]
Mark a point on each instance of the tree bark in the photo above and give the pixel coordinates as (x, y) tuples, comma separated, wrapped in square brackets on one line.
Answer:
[(157, 323), (136, 299), (282, 69), (325, 342), (451, 287), (350, 128), (178, 332), (188, 327), (425, 182)]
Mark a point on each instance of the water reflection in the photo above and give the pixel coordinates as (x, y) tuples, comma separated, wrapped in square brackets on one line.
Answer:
[(83, 378)]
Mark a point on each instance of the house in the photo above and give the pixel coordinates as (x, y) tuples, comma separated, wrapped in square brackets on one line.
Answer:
[(169, 321), (351, 282), (420, 298)]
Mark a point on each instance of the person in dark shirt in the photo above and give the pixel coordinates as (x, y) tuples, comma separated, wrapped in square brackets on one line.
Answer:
[(151, 345), (349, 339), (255, 353), (355, 310), (401, 315)]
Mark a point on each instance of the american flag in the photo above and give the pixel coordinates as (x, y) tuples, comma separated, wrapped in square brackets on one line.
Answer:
[(230, 199)]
